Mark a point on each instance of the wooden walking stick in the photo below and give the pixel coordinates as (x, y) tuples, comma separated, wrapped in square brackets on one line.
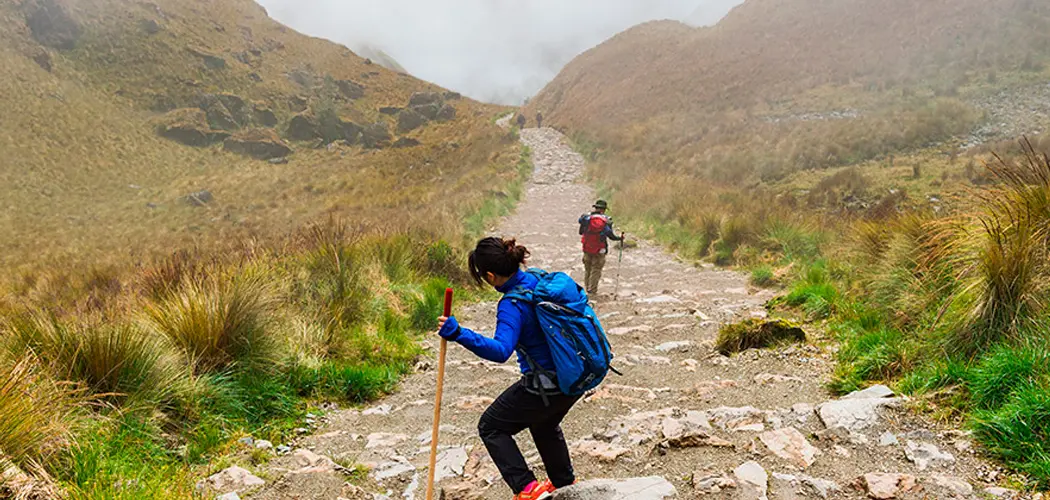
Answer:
[(437, 401), (619, 266)]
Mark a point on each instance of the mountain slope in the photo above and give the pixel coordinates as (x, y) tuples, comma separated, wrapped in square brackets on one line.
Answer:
[(684, 92), (88, 85)]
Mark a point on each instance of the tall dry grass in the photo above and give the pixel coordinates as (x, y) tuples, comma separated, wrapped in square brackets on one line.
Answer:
[(119, 363), (35, 415), (1001, 255), (218, 322)]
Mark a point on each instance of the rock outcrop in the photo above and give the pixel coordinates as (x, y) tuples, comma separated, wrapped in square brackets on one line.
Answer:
[(409, 120), (210, 60), (303, 127), (376, 135), (424, 98), (50, 24), (350, 89), (188, 126), (262, 144)]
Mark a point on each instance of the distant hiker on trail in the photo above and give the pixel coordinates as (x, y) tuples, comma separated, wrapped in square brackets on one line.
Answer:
[(539, 120), (556, 370), (596, 229), (521, 121)]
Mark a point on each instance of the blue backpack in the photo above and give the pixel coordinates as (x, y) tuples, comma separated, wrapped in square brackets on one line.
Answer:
[(577, 342)]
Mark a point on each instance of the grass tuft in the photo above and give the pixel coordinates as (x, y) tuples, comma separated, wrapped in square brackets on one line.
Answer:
[(763, 276), (218, 323), (1019, 431), (757, 334), (35, 415), (1006, 369)]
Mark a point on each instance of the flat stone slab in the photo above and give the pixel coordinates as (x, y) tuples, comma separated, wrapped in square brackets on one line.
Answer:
[(853, 414), (639, 488), (873, 392)]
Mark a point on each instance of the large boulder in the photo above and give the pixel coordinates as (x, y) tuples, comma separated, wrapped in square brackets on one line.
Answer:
[(263, 115), (42, 58), (409, 120), (218, 116), (210, 60), (188, 126), (262, 144), (424, 98), (640, 488), (303, 127), (350, 89), (50, 24), (430, 111), (350, 131), (376, 135), (303, 78), (238, 108), (406, 142), (447, 113)]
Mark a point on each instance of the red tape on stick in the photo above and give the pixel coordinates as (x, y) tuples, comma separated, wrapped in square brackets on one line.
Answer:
[(448, 302)]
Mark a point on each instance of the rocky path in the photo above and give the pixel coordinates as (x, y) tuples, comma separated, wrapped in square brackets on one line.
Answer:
[(691, 422)]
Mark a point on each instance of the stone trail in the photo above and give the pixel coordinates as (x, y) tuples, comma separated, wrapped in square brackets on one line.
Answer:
[(683, 421)]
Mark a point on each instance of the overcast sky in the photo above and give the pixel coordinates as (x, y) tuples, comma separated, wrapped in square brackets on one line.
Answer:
[(493, 50)]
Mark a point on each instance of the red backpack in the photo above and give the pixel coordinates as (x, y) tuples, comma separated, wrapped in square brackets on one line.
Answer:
[(593, 242)]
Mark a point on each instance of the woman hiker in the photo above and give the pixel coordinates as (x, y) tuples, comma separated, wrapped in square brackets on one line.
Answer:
[(533, 402)]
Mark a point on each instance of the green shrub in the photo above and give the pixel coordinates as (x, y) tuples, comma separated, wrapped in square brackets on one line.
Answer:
[(428, 304), (817, 299), (935, 376), (443, 261), (357, 383), (125, 451), (870, 356), (794, 241), (815, 294), (1007, 369), (1019, 431), (218, 323), (762, 276)]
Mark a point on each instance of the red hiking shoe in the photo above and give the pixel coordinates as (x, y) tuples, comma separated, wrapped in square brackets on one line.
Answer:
[(535, 491)]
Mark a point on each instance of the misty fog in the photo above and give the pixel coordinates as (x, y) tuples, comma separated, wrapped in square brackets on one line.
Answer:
[(493, 50)]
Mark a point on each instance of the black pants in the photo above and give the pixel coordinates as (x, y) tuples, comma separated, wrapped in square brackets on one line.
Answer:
[(516, 410)]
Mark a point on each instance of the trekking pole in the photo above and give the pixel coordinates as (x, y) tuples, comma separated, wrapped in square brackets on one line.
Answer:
[(437, 400), (619, 266)]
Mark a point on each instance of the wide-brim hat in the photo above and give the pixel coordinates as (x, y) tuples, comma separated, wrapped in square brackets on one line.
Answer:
[(601, 205)]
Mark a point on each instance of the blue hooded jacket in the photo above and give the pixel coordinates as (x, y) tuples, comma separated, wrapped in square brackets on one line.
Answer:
[(516, 328)]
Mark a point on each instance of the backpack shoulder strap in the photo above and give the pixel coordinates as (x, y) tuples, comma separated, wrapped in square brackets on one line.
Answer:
[(522, 294)]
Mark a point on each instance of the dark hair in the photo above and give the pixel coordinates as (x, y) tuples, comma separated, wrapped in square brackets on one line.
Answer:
[(497, 256)]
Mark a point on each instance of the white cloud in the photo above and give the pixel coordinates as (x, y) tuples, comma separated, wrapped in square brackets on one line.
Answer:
[(494, 50)]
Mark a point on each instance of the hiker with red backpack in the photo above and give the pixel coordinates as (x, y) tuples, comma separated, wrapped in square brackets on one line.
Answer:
[(596, 230), (562, 353)]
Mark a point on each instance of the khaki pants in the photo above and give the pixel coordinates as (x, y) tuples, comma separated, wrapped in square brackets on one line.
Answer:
[(593, 263)]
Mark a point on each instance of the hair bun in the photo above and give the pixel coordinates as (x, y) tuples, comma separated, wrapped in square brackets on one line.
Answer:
[(516, 252)]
